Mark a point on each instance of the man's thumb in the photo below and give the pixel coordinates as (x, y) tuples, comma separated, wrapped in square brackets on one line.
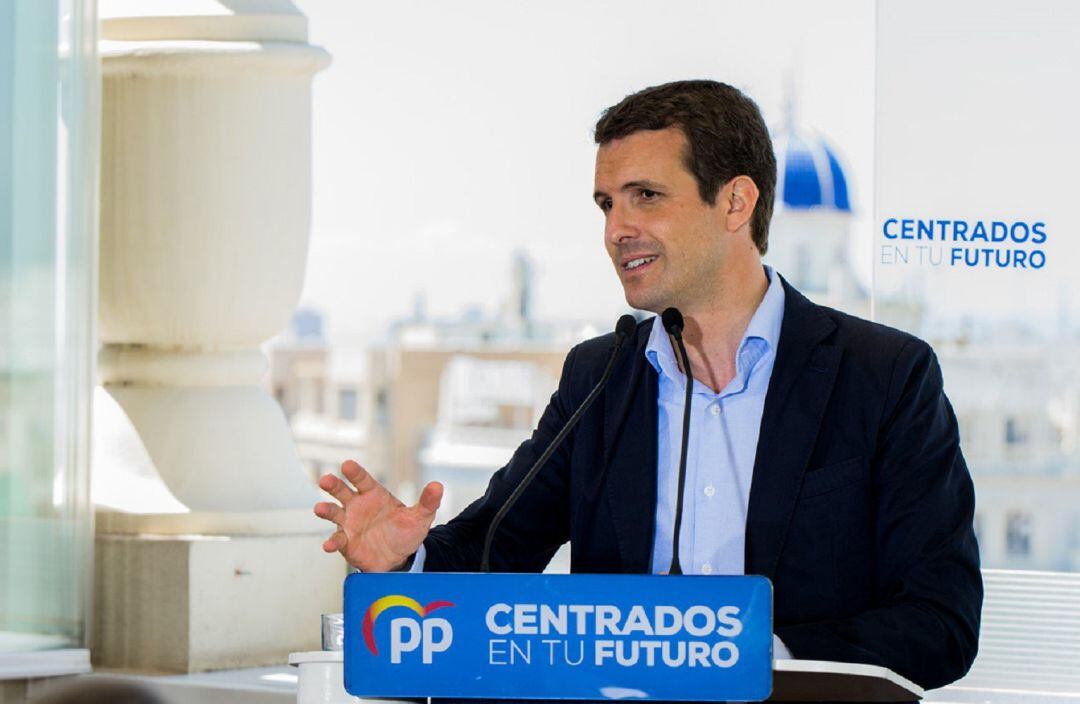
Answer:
[(431, 498)]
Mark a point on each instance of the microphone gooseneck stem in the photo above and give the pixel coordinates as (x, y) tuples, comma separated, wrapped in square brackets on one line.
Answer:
[(676, 567), (485, 561)]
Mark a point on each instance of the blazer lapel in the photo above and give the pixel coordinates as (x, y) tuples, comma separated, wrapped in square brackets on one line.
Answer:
[(802, 379), (629, 461)]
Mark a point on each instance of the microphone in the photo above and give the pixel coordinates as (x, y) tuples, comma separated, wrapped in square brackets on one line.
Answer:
[(673, 323), (623, 329)]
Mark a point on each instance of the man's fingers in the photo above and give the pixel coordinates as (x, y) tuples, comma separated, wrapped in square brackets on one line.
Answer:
[(358, 476), (329, 511), (336, 488), (430, 498), (335, 543)]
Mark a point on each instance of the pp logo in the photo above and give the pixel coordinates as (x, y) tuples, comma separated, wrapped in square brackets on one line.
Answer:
[(435, 635)]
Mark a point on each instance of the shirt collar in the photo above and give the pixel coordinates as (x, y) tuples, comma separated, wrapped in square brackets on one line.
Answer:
[(764, 329)]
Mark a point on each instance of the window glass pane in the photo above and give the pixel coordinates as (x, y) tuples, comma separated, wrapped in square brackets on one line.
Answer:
[(975, 244), (975, 250), (347, 404), (48, 84)]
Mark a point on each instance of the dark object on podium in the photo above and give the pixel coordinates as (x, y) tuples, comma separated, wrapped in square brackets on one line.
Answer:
[(821, 681)]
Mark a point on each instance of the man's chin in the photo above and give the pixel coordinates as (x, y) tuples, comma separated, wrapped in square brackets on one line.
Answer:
[(637, 301)]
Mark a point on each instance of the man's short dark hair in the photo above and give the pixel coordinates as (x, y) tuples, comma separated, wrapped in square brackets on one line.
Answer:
[(725, 134)]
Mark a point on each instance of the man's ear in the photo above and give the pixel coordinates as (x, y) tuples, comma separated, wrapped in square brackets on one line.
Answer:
[(739, 197)]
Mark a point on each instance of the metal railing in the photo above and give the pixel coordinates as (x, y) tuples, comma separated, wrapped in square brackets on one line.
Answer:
[(1029, 644)]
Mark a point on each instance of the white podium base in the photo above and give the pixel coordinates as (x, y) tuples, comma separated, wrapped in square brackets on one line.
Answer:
[(321, 677)]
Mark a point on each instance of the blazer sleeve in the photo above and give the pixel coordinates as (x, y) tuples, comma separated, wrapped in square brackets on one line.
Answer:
[(537, 525), (926, 624)]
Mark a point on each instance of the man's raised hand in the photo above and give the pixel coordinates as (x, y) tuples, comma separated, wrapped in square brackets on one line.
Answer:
[(375, 531)]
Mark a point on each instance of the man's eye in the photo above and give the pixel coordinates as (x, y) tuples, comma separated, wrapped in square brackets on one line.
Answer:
[(647, 194), (605, 204)]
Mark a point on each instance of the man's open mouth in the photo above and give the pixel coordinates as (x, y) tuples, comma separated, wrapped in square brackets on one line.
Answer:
[(637, 263)]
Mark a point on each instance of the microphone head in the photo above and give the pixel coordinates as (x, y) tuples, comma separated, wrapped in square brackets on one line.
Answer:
[(672, 320), (626, 327)]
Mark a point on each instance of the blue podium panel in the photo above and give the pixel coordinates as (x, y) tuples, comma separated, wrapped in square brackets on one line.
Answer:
[(539, 636)]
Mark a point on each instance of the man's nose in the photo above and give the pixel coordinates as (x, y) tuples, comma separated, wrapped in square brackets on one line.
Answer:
[(621, 225)]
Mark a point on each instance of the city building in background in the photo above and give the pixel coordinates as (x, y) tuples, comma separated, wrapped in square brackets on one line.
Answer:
[(1019, 416), (445, 399), (810, 235)]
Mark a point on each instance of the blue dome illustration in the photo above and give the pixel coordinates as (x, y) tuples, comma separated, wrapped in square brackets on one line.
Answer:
[(808, 172)]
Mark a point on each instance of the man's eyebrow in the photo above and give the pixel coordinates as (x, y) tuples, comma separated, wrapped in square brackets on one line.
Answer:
[(644, 183), (630, 186)]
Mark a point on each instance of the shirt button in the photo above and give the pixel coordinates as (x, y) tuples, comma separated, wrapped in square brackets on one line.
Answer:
[(715, 409), (710, 491), (706, 568)]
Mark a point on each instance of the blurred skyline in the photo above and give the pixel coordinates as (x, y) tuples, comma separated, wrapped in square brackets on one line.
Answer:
[(434, 159)]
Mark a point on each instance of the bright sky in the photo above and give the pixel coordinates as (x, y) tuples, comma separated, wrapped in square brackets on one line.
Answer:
[(449, 134)]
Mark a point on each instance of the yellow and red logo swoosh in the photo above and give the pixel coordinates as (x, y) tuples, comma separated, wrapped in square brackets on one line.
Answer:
[(385, 603)]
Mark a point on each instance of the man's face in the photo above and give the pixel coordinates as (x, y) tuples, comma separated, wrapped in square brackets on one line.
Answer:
[(665, 242)]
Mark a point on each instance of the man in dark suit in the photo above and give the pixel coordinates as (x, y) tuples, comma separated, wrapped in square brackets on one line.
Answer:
[(827, 454)]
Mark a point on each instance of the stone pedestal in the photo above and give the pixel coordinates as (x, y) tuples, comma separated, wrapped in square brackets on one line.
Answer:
[(208, 555), (193, 603)]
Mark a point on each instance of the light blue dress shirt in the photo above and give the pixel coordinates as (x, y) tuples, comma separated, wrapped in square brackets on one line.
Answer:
[(723, 442)]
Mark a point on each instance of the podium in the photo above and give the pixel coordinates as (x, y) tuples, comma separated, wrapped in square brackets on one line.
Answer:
[(411, 637)]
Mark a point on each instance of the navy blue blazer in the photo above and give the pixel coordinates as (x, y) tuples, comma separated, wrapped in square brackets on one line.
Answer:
[(861, 504)]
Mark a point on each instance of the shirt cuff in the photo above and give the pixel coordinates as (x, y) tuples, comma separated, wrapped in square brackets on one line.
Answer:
[(779, 650), (418, 560)]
